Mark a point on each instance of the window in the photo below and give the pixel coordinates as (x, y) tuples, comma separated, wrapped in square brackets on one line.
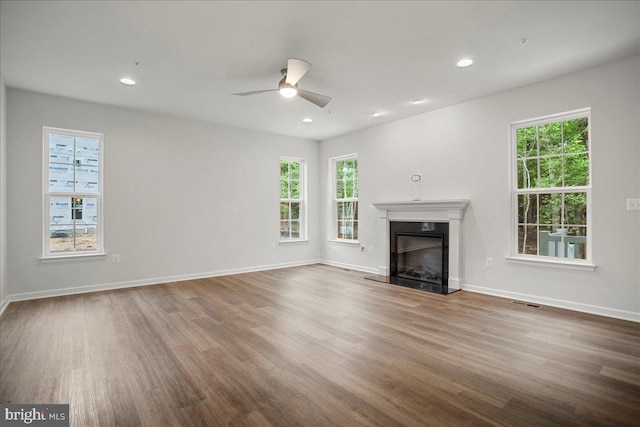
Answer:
[(345, 197), (292, 199), (72, 193), (552, 183)]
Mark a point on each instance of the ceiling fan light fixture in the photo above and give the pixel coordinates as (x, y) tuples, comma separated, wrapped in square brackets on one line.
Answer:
[(287, 90)]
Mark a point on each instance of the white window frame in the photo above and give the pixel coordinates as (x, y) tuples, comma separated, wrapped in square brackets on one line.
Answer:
[(549, 261), (333, 161), (302, 200), (47, 254)]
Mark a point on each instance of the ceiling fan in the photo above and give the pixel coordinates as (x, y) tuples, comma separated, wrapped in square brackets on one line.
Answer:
[(288, 86)]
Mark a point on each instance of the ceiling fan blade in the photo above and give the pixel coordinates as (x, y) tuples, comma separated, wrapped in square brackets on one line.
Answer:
[(255, 92), (315, 98), (296, 68)]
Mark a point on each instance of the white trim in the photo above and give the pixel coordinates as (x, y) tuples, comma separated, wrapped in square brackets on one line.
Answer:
[(553, 302), (344, 242), (543, 261), (151, 281), (73, 257), (286, 242), (349, 266), (4, 304)]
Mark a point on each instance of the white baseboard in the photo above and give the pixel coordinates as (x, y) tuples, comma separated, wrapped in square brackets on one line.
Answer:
[(569, 305), (144, 282), (3, 304), (350, 266)]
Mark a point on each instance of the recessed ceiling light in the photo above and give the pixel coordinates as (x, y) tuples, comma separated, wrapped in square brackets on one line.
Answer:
[(417, 101), (376, 114), (464, 62), (127, 81), (307, 120)]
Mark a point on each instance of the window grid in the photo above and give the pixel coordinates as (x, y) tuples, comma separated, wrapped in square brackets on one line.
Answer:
[(345, 197), (292, 224), (552, 207), (72, 193)]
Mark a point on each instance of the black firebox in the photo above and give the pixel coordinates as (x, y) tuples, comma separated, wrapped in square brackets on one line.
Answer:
[(419, 255)]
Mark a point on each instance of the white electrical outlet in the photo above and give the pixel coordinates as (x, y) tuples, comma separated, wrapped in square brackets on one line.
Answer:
[(115, 258), (633, 204), (489, 262)]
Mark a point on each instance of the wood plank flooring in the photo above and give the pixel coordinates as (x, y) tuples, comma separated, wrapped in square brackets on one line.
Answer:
[(316, 346)]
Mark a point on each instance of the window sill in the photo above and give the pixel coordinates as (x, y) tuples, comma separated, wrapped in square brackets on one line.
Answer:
[(74, 257), (288, 242), (344, 242), (580, 265)]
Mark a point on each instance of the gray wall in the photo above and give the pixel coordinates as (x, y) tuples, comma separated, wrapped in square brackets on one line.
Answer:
[(182, 198), (463, 152)]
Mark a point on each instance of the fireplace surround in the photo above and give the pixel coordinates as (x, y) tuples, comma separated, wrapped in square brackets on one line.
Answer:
[(449, 212)]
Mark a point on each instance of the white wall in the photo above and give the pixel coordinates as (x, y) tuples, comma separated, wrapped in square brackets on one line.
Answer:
[(3, 196), (182, 198), (463, 152)]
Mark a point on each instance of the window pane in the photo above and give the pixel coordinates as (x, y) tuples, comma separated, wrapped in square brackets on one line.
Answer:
[(340, 194), (295, 229), (575, 208), (527, 173), (355, 230), (550, 208), (284, 169), (284, 230), (340, 170), (61, 179), (551, 172), (86, 210), (550, 240), (527, 144), (61, 238), (528, 209), (576, 170), (284, 210), (347, 210), (295, 170), (61, 149), (86, 237), (348, 188), (87, 152), (355, 188), (284, 189), (550, 139), (576, 135), (345, 230), (87, 179), (576, 242), (527, 239), (60, 211), (295, 189), (295, 210)]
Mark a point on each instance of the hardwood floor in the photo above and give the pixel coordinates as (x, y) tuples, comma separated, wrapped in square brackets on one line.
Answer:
[(315, 346)]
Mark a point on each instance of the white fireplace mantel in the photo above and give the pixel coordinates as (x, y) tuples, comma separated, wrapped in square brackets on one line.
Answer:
[(451, 211)]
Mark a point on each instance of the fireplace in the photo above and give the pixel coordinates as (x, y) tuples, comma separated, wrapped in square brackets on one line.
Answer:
[(429, 253), (419, 255)]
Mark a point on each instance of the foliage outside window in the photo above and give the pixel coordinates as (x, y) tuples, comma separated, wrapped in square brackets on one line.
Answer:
[(292, 209), (553, 186), (72, 192), (345, 194)]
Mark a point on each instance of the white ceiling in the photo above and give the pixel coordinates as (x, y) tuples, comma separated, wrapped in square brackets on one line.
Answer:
[(369, 56)]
